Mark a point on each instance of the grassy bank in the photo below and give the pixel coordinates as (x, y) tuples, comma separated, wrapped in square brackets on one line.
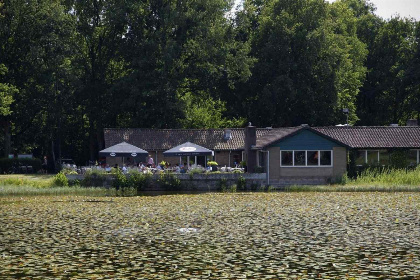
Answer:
[(370, 180), (32, 180), (12, 190), (388, 177), (41, 184)]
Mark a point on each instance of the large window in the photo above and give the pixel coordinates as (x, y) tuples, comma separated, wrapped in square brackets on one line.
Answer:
[(382, 157), (306, 158)]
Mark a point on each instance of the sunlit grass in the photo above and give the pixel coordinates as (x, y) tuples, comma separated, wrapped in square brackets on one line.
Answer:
[(33, 180), (388, 177), (13, 190)]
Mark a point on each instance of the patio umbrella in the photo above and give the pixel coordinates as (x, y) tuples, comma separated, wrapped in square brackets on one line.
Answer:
[(123, 149), (188, 149)]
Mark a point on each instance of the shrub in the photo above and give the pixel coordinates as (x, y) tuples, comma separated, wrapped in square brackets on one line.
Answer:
[(68, 171), (137, 180), (195, 171), (74, 183), (212, 163), (398, 159), (241, 183), (169, 182), (120, 180), (94, 178), (223, 187), (60, 180)]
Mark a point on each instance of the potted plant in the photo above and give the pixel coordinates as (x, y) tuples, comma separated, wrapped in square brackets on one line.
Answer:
[(213, 165)]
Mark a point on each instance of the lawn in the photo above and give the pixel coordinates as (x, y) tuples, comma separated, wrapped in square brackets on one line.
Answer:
[(212, 236)]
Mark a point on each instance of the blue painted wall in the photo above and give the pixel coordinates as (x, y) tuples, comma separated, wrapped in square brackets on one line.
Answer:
[(306, 140)]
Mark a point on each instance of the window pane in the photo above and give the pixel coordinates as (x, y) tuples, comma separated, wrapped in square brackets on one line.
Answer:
[(383, 157), (313, 157), (300, 159), (372, 157), (412, 157), (360, 157), (325, 157), (287, 158)]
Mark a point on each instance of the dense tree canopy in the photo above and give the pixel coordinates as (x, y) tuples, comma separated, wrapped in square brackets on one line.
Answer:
[(69, 69)]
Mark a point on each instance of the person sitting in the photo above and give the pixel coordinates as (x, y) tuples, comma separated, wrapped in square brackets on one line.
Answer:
[(124, 169), (107, 168), (177, 168)]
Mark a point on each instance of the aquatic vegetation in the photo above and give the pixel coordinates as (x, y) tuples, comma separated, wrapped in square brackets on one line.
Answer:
[(212, 236)]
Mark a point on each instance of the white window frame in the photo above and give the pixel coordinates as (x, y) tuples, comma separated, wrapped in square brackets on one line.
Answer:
[(306, 159), (378, 151)]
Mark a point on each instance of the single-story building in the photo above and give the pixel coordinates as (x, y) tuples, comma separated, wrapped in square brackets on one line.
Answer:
[(320, 153)]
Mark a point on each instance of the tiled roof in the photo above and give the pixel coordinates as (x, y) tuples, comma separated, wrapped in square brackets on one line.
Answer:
[(374, 136), (164, 139), (275, 135), (351, 136)]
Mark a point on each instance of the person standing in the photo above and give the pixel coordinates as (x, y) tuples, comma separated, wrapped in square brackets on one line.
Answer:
[(150, 161)]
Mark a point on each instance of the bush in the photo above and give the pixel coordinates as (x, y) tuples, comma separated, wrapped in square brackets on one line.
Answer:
[(241, 183), (6, 164), (137, 180), (120, 180), (60, 180), (68, 171), (223, 187), (169, 182), (398, 159), (94, 178)]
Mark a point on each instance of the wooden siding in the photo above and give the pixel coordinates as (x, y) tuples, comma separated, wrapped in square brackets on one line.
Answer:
[(306, 140)]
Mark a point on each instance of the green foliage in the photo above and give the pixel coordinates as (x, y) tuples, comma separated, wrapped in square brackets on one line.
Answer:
[(387, 177), (222, 185), (34, 181), (398, 159), (60, 180), (119, 179), (212, 163), (137, 180), (94, 178), (7, 93), (205, 112), (241, 183), (169, 182), (70, 68), (68, 171)]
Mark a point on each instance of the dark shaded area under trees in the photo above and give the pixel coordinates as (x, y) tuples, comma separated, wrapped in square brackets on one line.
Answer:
[(70, 68)]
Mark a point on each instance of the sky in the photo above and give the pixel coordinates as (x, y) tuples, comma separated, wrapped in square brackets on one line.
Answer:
[(388, 8)]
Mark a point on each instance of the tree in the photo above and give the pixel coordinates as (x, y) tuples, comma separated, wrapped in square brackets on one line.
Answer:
[(34, 38), (310, 62), (7, 93), (384, 97), (178, 52)]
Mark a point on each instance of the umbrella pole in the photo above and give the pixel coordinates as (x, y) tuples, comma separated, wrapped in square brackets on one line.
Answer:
[(188, 162), (195, 161)]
